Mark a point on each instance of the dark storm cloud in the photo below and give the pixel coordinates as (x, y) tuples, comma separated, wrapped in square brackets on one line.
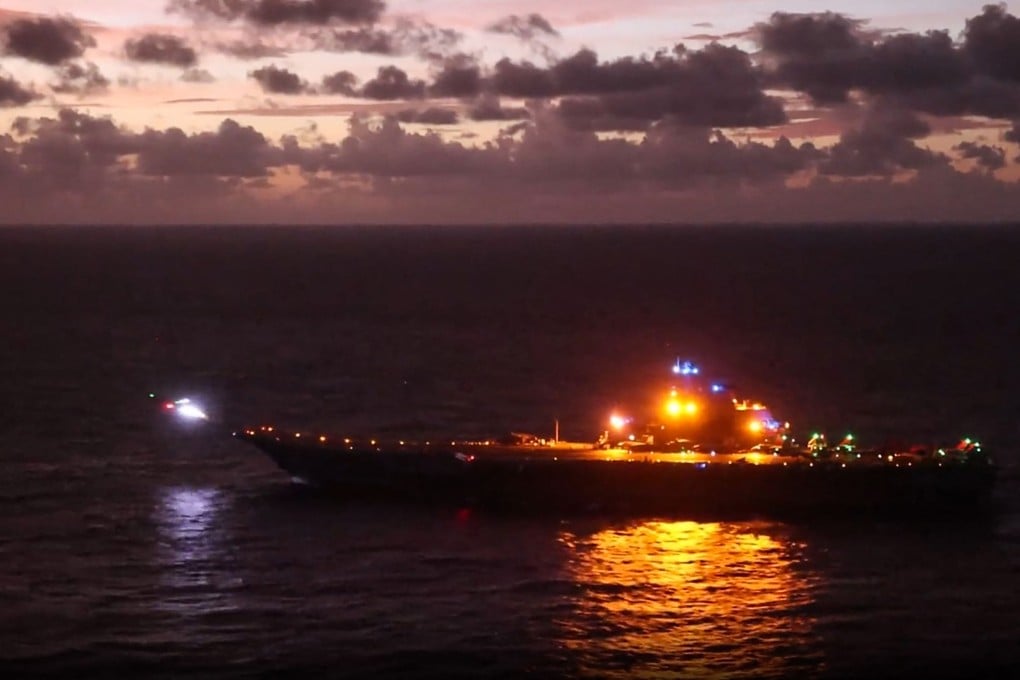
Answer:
[(992, 39), (393, 83), (281, 12), (13, 93), (161, 48), (524, 28), (75, 78), (988, 157), (429, 116), (46, 40), (882, 146), (341, 82), (278, 80)]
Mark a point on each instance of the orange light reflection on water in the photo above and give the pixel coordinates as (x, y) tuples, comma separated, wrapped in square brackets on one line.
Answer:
[(690, 599)]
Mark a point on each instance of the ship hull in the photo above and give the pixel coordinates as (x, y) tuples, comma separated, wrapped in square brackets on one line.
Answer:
[(623, 482)]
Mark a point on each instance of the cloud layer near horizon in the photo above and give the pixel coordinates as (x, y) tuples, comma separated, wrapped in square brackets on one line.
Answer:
[(815, 116)]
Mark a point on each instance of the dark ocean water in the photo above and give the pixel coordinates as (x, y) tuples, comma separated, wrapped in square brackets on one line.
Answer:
[(127, 545)]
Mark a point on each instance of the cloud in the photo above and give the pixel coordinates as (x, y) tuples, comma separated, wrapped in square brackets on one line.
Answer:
[(366, 40), (717, 86), (74, 152), (282, 12), (809, 35), (197, 75), (549, 153), (80, 79), (341, 82), (429, 116), (249, 49), (12, 93), (828, 55), (47, 40), (980, 96), (191, 100), (279, 80), (406, 36), (526, 28), (231, 151), (990, 158), (882, 146), (99, 169), (459, 77), (161, 48), (715, 37), (393, 83), (534, 30), (387, 151), (522, 80), (992, 39), (490, 108), (1013, 134)]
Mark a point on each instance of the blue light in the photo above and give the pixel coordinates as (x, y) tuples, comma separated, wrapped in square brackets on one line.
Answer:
[(718, 388), (686, 368)]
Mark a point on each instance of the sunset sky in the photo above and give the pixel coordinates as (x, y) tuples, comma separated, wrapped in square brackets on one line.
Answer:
[(503, 111)]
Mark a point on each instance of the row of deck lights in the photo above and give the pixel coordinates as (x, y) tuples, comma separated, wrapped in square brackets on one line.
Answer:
[(323, 439)]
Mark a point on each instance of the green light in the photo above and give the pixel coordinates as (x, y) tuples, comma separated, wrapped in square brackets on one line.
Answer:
[(152, 395)]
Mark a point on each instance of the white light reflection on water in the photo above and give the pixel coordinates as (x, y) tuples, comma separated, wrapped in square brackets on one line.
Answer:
[(191, 553), (690, 599), (187, 515)]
